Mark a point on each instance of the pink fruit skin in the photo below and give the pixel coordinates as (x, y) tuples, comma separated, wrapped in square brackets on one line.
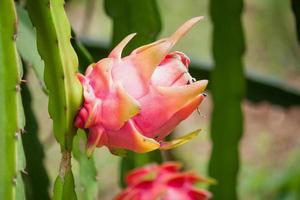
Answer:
[(164, 182), (134, 102)]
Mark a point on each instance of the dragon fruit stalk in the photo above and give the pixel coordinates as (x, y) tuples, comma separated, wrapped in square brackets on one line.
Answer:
[(134, 102), (163, 182)]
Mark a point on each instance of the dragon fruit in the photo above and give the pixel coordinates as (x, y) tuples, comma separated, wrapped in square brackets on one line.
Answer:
[(164, 182), (134, 102)]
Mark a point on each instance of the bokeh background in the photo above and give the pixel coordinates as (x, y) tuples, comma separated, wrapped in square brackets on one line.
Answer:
[(269, 148)]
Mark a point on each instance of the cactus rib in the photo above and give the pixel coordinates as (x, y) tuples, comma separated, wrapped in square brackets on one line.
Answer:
[(11, 118)]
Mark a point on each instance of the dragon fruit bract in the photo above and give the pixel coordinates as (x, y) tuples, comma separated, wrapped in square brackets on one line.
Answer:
[(134, 102), (164, 182)]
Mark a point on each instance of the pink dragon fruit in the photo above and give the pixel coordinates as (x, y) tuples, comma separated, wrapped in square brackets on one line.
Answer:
[(134, 102), (164, 182)]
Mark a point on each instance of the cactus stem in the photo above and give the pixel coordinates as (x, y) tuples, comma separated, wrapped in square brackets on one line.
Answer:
[(17, 135), (14, 180), (65, 164), (49, 4), (24, 171), (22, 131), (14, 37), (15, 30), (18, 88)]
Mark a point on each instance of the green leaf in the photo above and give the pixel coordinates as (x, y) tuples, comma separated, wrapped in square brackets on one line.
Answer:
[(141, 17), (26, 44), (87, 188), (11, 118), (227, 118), (53, 39)]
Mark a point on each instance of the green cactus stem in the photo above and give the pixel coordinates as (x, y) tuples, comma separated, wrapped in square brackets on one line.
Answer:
[(36, 180), (228, 90), (26, 44), (64, 90), (12, 120), (87, 187), (61, 63)]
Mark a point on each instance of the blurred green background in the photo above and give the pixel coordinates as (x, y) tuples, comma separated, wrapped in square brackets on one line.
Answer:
[(269, 148)]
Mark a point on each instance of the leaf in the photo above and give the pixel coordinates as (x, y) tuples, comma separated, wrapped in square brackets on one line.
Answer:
[(11, 119), (87, 188), (141, 17), (227, 118), (53, 39)]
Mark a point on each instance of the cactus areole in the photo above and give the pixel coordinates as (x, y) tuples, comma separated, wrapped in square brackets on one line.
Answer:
[(134, 102), (165, 182)]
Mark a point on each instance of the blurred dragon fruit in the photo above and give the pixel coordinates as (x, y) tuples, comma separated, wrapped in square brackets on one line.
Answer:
[(164, 182), (134, 102)]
